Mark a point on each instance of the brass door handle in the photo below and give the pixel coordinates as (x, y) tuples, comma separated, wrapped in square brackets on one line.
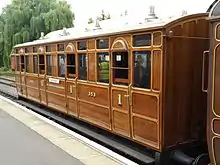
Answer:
[(126, 95)]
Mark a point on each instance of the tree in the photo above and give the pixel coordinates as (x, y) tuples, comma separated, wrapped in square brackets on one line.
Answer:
[(104, 16), (24, 20), (90, 21)]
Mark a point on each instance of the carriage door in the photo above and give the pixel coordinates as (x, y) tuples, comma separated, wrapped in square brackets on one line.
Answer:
[(214, 96), (120, 73)]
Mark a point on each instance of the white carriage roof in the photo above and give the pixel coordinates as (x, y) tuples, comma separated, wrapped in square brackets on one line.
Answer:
[(107, 27)]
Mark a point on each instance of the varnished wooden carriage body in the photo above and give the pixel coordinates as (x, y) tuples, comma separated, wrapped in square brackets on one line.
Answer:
[(162, 108), (213, 124)]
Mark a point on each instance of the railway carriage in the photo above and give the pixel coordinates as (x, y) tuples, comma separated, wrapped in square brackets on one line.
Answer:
[(142, 81), (213, 124)]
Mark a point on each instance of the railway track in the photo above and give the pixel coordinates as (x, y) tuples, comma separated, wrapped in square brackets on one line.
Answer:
[(119, 145)]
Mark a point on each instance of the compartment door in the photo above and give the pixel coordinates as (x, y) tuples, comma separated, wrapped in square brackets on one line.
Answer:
[(120, 111), (213, 124)]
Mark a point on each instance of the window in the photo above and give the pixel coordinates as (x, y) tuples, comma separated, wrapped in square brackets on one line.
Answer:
[(81, 45), (102, 44), (141, 40), (61, 63), (120, 68), (49, 64), (103, 67), (48, 48), (142, 69), (17, 51), (18, 63), (27, 64), (82, 66), (26, 50), (35, 63), (35, 49), (60, 47), (71, 66), (41, 64), (22, 64)]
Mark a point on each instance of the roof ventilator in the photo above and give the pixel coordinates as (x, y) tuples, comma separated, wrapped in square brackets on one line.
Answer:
[(151, 15), (97, 25)]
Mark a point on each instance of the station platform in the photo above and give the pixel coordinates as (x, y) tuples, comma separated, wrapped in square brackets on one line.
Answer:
[(27, 138)]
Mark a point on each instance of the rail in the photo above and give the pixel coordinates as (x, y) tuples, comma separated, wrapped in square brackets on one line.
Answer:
[(7, 81)]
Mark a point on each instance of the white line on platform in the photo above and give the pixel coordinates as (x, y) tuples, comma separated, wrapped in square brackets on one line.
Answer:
[(93, 144)]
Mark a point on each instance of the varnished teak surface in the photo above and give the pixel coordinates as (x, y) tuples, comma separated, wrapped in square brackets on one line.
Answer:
[(171, 111)]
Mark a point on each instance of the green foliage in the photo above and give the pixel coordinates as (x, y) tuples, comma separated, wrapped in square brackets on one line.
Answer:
[(90, 21), (24, 20)]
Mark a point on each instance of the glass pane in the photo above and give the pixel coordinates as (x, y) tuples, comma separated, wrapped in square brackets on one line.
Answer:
[(35, 49), (141, 40), (35, 62), (27, 66), (103, 67), (142, 69), (49, 65), (71, 68), (83, 66), (81, 45), (102, 44), (61, 62), (48, 48), (60, 47), (71, 59), (120, 59)]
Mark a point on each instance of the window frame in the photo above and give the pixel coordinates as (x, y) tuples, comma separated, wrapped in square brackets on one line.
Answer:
[(58, 65), (97, 68), (139, 34), (50, 55), (151, 69), (35, 66), (71, 66), (78, 61)]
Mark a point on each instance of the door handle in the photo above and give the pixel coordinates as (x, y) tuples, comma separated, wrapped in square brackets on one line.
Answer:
[(203, 71)]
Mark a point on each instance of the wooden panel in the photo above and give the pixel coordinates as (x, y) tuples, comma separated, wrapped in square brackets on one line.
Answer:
[(216, 126), (71, 90), (91, 44), (72, 107), (216, 106), (145, 105), (156, 69), (157, 39), (94, 114), (42, 83), (23, 79), (126, 37), (145, 131), (121, 123), (189, 28), (56, 88), (101, 94), (43, 97), (33, 94), (216, 143), (91, 67), (32, 81), (57, 102), (120, 96)]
